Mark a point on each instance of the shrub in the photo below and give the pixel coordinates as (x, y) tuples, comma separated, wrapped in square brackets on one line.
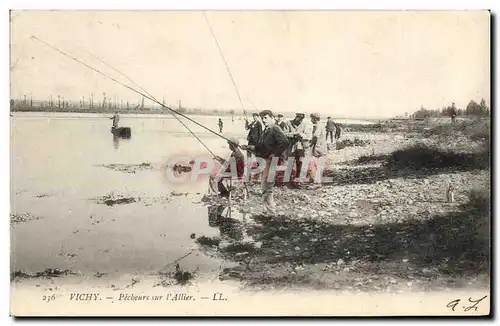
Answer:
[(422, 156), (351, 143)]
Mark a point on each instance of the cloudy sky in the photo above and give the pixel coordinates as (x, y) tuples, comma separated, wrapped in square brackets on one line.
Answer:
[(349, 64)]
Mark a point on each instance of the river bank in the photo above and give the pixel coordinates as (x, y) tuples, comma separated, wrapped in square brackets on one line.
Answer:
[(380, 225)]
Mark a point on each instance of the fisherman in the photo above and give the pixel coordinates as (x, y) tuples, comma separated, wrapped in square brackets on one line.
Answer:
[(255, 132), (221, 125), (281, 122), (116, 119), (318, 146), (237, 155), (299, 133), (273, 143), (330, 128)]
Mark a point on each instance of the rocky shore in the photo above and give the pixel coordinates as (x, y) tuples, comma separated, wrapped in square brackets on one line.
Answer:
[(382, 224)]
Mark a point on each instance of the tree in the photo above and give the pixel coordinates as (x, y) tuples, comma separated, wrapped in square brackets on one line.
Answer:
[(472, 108)]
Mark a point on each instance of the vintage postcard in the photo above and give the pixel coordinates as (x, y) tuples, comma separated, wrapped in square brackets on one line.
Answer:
[(250, 163)]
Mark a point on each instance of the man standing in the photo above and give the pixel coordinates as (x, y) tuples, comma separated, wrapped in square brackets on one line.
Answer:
[(272, 144), (280, 122), (453, 112), (255, 132), (318, 146), (299, 133), (330, 128)]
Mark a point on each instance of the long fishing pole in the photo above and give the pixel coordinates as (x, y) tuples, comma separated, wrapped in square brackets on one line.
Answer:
[(225, 63), (130, 88), (145, 91)]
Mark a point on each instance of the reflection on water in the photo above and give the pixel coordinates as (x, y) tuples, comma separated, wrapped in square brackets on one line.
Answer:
[(116, 141), (220, 216), (56, 168)]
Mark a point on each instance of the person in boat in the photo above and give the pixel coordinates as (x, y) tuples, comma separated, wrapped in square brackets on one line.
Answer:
[(221, 125), (272, 144), (254, 132), (237, 155), (116, 119)]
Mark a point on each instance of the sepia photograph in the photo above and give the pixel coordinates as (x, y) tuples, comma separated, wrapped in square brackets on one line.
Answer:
[(250, 163)]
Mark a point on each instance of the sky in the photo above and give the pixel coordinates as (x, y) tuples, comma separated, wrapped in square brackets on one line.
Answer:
[(340, 63)]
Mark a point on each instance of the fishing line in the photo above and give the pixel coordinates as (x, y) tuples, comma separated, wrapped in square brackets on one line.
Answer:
[(145, 91), (128, 87), (225, 63)]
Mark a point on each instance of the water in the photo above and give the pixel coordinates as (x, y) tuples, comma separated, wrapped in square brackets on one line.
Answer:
[(56, 171)]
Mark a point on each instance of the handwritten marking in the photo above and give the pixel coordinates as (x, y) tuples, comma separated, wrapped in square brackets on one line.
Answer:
[(454, 303)]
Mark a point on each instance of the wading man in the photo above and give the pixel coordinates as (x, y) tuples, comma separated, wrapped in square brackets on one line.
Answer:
[(272, 144), (221, 125)]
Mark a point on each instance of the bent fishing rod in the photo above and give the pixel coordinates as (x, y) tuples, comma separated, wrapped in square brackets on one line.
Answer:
[(145, 91), (130, 88)]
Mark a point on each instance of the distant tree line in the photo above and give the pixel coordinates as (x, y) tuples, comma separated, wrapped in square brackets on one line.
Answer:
[(59, 104), (472, 109)]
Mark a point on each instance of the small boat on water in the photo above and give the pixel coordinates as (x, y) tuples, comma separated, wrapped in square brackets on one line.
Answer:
[(122, 132)]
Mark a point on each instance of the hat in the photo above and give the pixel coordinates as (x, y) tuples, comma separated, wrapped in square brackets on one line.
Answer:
[(300, 113), (266, 112), (280, 115), (234, 141), (315, 115)]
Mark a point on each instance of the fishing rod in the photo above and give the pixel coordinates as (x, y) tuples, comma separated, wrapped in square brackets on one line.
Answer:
[(225, 63), (145, 91), (130, 88)]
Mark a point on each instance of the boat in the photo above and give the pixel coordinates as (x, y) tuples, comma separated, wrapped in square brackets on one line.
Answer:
[(122, 132)]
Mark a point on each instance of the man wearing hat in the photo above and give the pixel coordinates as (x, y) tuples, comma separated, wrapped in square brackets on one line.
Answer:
[(272, 144), (254, 131), (330, 129), (281, 122), (237, 155), (299, 133), (318, 145)]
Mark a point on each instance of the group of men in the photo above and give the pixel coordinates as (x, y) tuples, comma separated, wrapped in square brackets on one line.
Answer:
[(272, 137), (305, 137)]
